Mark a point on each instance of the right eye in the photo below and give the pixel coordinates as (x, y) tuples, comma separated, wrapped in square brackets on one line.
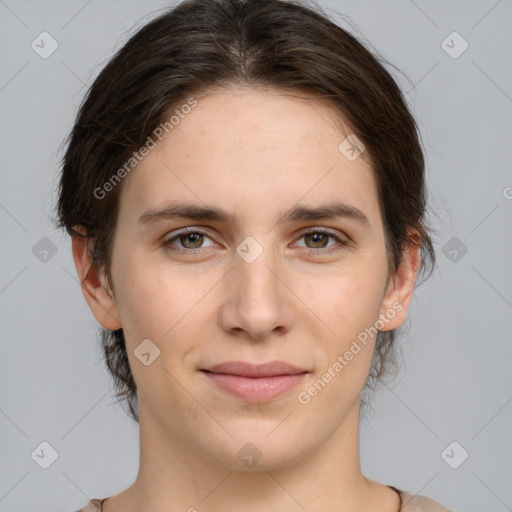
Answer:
[(190, 240)]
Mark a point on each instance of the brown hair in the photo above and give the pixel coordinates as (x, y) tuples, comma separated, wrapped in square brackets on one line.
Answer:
[(200, 45)]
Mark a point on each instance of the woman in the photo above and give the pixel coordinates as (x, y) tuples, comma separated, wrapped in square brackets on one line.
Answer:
[(244, 188)]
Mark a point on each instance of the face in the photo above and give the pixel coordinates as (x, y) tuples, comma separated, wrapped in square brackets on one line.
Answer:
[(269, 284)]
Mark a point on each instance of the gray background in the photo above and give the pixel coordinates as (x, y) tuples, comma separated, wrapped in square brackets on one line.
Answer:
[(456, 383)]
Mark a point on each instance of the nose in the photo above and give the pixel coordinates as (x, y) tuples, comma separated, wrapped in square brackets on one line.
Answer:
[(257, 304)]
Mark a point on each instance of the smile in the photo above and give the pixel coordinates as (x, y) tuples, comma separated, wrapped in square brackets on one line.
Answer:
[(255, 389)]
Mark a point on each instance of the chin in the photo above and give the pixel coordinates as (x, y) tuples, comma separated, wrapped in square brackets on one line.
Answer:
[(255, 450)]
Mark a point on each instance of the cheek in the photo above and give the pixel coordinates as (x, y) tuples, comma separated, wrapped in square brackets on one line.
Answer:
[(145, 295), (347, 300), (168, 305), (160, 306), (348, 306)]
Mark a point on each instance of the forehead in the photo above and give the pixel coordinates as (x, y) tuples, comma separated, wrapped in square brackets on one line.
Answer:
[(254, 151)]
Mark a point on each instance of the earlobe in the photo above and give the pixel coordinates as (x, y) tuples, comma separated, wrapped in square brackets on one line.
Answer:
[(395, 305), (94, 284)]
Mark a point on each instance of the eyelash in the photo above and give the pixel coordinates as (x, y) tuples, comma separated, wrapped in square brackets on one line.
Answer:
[(310, 252)]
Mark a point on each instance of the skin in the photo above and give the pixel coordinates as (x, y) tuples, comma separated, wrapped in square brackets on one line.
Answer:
[(256, 154)]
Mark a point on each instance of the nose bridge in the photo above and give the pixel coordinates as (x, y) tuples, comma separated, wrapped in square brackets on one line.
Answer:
[(256, 266)]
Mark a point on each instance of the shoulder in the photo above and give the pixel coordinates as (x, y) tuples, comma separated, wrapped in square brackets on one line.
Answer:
[(410, 503), (93, 506), (418, 503)]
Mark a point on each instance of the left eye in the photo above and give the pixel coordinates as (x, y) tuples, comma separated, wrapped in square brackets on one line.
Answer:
[(320, 237), (191, 241)]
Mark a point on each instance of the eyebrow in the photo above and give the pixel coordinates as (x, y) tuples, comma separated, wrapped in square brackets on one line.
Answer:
[(333, 210)]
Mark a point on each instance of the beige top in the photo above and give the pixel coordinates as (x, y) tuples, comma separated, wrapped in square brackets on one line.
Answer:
[(409, 503)]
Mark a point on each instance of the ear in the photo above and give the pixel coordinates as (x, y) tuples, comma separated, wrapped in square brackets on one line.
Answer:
[(93, 282), (400, 289)]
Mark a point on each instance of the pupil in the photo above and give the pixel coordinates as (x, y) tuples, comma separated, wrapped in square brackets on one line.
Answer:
[(316, 237), (192, 237)]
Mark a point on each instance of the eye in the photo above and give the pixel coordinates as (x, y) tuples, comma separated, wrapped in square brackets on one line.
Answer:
[(319, 238), (190, 240)]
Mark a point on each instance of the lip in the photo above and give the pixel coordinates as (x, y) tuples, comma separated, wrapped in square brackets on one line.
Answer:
[(255, 382), (246, 369)]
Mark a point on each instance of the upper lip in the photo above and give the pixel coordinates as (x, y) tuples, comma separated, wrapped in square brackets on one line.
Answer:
[(245, 369)]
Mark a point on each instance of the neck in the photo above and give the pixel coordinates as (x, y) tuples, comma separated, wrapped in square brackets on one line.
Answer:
[(173, 476)]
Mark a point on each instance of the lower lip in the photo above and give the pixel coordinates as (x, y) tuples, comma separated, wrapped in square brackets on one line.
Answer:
[(255, 389)]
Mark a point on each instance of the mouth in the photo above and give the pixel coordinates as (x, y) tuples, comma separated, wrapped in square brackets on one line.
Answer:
[(255, 383)]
